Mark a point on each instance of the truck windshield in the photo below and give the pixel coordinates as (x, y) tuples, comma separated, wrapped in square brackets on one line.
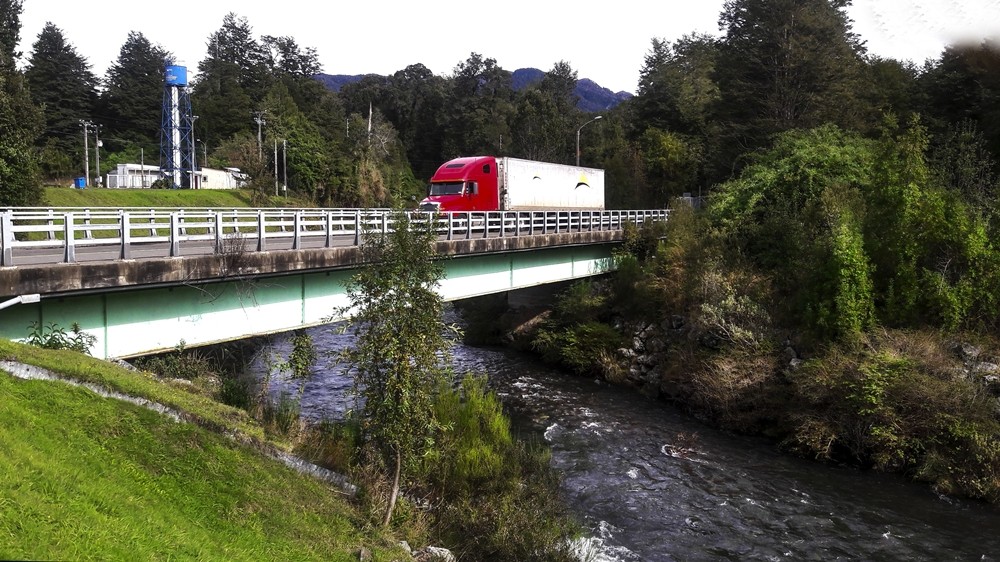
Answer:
[(452, 188)]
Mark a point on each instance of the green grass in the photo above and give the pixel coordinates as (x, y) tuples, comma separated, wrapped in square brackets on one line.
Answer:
[(92, 197), (84, 477), (198, 408)]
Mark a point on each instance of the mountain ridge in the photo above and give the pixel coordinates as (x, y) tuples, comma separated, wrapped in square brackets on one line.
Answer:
[(592, 96)]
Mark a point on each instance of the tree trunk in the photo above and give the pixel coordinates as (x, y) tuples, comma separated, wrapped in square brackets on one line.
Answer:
[(395, 491)]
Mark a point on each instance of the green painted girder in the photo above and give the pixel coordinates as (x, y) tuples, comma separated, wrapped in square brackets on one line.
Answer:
[(138, 321)]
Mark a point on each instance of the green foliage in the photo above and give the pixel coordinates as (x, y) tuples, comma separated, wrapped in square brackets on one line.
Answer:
[(181, 363), (671, 163), (475, 436), (400, 344), (131, 103), (62, 83), (931, 255), (580, 347), (500, 498), (891, 401), (838, 297), (53, 336), (783, 65), (763, 212)]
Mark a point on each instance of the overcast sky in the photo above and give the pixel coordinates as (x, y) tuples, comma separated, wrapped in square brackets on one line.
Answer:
[(605, 42)]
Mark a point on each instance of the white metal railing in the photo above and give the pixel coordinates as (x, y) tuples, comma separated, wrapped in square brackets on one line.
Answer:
[(55, 235)]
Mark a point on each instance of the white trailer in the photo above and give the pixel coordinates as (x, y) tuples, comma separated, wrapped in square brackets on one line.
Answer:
[(529, 184)]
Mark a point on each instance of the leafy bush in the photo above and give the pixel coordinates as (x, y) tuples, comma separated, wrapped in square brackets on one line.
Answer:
[(181, 363), (499, 498), (894, 402), (53, 336)]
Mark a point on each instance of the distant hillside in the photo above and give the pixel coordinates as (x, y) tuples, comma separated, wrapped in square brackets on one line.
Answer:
[(592, 96)]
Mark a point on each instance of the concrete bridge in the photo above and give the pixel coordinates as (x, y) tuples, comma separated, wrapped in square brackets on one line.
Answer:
[(144, 280)]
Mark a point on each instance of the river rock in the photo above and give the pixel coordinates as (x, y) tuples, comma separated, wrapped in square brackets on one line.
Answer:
[(434, 554)]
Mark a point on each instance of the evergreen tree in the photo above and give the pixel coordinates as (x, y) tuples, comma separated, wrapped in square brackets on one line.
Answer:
[(674, 113), (784, 64), (131, 103), (544, 125), (415, 104), (233, 80), (61, 82), (10, 33), (964, 83), (676, 85), (481, 105), (21, 120)]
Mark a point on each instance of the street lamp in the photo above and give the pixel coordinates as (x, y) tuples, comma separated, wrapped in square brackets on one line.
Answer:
[(578, 138)]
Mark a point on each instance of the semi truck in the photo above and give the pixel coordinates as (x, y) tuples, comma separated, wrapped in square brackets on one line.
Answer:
[(491, 183)]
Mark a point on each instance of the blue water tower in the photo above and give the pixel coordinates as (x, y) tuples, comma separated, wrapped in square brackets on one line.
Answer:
[(177, 76), (177, 158)]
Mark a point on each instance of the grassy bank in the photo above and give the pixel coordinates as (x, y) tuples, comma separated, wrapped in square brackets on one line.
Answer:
[(85, 477), (117, 198)]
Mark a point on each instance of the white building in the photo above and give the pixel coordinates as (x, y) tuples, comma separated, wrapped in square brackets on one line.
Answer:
[(138, 176), (131, 176)]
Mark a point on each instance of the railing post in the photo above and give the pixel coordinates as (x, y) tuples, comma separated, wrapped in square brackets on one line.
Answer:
[(126, 226), (51, 233), (503, 224), (468, 225), (175, 235), (86, 221), (69, 256), (451, 226), (385, 223), (486, 224), (329, 227), (297, 228), (219, 234), (357, 227), (261, 231), (7, 238)]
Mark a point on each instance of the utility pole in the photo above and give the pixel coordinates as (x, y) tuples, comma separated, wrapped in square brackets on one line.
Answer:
[(97, 154), (86, 150), (284, 166), (194, 145), (275, 167), (259, 118)]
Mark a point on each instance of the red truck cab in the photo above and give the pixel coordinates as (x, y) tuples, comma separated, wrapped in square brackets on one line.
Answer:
[(464, 184)]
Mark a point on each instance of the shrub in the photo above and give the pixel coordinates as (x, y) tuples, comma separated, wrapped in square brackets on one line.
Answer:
[(53, 336)]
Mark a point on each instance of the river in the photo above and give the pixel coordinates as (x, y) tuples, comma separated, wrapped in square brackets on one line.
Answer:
[(652, 484)]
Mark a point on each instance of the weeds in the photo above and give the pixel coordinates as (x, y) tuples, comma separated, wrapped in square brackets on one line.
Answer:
[(53, 336)]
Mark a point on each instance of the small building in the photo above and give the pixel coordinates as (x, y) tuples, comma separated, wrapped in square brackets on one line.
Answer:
[(139, 176), (134, 176), (226, 178)]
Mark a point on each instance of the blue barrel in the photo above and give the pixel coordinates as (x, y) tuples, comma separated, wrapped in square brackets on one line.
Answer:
[(80, 182)]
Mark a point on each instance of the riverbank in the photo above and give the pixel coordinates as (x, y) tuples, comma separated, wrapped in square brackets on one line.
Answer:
[(88, 477), (917, 403)]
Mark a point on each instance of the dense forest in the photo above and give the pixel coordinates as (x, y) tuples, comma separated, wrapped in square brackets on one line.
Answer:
[(706, 107)]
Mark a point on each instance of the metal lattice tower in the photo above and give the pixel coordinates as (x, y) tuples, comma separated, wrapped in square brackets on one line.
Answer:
[(177, 147)]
